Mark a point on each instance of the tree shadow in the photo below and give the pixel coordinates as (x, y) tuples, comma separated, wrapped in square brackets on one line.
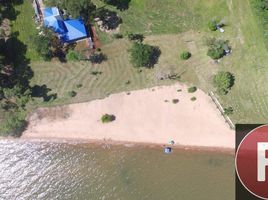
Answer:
[(42, 92), (154, 56), (9, 11), (119, 4), (232, 82), (20, 71), (97, 58)]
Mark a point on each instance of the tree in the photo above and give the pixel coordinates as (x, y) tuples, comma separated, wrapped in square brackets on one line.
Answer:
[(42, 44), (109, 19), (143, 55), (79, 8), (223, 81), (13, 124), (217, 48)]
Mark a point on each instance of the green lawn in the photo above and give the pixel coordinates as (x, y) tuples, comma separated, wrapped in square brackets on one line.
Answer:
[(25, 27), (170, 16), (174, 26)]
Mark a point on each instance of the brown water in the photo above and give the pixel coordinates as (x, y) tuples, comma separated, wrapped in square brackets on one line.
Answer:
[(84, 171)]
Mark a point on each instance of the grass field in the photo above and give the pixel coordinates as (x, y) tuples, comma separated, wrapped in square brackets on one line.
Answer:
[(169, 16), (25, 27), (174, 26)]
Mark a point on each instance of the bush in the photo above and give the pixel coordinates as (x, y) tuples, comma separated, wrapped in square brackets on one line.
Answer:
[(193, 99), (107, 118), (212, 25), (97, 58), (144, 55), (136, 37), (175, 101), (13, 124), (72, 93), (223, 81), (192, 89), (217, 48), (95, 73), (79, 85), (215, 53), (118, 36), (110, 19), (228, 111), (185, 55), (73, 56)]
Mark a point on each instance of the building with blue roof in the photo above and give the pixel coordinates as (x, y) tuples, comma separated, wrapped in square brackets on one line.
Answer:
[(69, 30)]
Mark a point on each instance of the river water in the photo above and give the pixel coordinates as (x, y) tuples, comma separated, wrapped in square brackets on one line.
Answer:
[(40, 170)]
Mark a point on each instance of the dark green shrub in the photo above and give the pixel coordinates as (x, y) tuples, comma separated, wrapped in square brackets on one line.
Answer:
[(216, 53), (217, 48), (175, 101), (185, 55), (118, 36), (136, 37), (73, 56), (192, 89), (72, 93), (193, 99), (107, 118), (228, 111), (79, 85), (223, 81), (144, 55), (212, 25), (95, 73)]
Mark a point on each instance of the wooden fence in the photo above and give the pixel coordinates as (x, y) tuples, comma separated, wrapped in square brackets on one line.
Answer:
[(220, 108)]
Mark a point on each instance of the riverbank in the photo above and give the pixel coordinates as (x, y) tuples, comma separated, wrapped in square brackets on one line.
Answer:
[(143, 116)]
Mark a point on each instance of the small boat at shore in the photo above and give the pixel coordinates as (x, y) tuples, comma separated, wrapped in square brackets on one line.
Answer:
[(168, 150)]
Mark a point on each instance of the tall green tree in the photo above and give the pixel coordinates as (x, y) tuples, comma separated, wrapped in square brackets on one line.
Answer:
[(80, 8), (143, 55)]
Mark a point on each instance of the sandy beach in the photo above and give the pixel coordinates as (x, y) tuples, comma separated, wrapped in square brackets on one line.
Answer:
[(146, 116)]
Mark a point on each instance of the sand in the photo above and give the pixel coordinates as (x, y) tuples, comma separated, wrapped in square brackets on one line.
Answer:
[(142, 116)]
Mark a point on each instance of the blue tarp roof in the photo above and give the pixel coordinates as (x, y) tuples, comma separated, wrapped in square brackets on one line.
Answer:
[(76, 30), (48, 12), (69, 30), (57, 25)]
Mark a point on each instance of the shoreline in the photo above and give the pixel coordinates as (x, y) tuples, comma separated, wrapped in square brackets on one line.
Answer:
[(147, 116), (104, 143)]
